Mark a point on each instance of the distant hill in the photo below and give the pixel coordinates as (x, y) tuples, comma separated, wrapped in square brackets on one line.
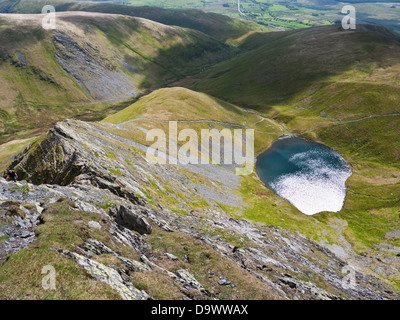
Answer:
[(219, 26), (316, 77), (90, 60), (289, 15), (284, 67)]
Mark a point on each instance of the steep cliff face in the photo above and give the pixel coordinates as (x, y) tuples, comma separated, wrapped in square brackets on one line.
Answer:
[(148, 232)]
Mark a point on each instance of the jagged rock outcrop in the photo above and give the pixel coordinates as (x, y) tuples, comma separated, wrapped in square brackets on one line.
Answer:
[(58, 159), (110, 276), (18, 222)]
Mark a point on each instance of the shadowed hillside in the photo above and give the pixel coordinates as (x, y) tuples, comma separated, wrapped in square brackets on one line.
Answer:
[(89, 61), (284, 65), (314, 78), (219, 26)]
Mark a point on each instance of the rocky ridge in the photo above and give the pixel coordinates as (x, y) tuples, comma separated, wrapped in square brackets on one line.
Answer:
[(98, 171)]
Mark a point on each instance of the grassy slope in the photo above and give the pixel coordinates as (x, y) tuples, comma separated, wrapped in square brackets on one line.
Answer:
[(64, 227), (184, 104), (179, 103), (158, 57), (314, 77), (286, 64), (21, 276)]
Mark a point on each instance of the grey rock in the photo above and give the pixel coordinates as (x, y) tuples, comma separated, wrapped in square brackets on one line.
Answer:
[(94, 225), (26, 234), (224, 282), (133, 265), (21, 57), (188, 279), (23, 224), (88, 69), (94, 247), (110, 276), (171, 256), (395, 234), (131, 220)]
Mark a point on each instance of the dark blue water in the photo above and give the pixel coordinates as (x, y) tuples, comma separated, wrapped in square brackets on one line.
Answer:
[(310, 175)]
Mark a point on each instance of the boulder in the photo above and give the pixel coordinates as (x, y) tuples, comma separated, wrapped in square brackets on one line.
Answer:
[(94, 225), (107, 274), (130, 219)]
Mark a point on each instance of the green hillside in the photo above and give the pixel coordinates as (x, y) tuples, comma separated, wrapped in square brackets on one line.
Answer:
[(180, 104), (287, 64), (336, 87), (371, 207), (91, 61), (315, 77), (219, 26), (275, 15)]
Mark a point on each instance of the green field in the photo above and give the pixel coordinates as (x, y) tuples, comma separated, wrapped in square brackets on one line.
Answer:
[(289, 15), (274, 14)]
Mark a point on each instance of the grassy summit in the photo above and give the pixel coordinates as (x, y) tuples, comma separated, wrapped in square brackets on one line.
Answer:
[(181, 104)]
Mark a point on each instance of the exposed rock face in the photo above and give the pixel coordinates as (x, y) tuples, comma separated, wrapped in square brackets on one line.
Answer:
[(59, 159), (392, 234), (75, 157), (83, 153), (100, 80), (18, 221)]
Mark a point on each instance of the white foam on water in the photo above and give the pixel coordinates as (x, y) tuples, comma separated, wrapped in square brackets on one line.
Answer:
[(318, 186)]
